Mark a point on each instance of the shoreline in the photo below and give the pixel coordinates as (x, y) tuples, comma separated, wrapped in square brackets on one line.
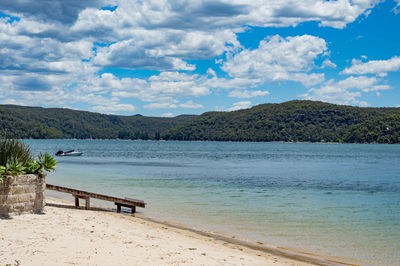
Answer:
[(298, 256), (227, 141), (67, 235)]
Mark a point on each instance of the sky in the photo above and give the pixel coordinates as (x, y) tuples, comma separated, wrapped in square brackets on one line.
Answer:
[(166, 58)]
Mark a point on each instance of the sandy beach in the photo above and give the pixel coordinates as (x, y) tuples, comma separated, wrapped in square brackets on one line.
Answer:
[(68, 236)]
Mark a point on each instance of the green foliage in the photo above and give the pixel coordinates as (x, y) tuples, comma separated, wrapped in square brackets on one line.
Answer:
[(381, 130), (304, 121), (14, 149), (16, 159), (41, 123), (14, 167), (46, 162), (32, 167), (2, 171)]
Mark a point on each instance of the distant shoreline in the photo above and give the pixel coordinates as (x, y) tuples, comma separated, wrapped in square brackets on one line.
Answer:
[(224, 141)]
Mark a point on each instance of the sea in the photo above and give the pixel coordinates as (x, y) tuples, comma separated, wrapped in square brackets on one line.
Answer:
[(338, 200)]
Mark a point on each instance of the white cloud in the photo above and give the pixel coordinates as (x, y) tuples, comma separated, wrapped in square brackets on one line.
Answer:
[(233, 83), (240, 105), (166, 85), (378, 67), (346, 91), (163, 49), (328, 63), (396, 9), (50, 10), (199, 13), (247, 93), (113, 108), (55, 51), (279, 59), (165, 105), (191, 105), (204, 14), (235, 106), (211, 72), (167, 115)]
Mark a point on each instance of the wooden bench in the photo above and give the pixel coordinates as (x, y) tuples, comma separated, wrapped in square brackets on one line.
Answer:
[(80, 194)]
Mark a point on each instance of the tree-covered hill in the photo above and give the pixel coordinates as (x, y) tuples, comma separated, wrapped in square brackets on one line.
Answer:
[(289, 121), (37, 122), (294, 121)]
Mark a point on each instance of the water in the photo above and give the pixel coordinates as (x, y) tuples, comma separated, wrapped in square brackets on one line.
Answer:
[(332, 199)]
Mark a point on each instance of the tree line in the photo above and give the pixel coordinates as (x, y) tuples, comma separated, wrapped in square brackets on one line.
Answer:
[(294, 121), (297, 121)]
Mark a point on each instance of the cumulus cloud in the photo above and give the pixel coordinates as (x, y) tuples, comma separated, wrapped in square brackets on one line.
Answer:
[(346, 91), (396, 9), (247, 93), (167, 115), (112, 108), (165, 105), (240, 105), (205, 13), (279, 59), (191, 105), (59, 50), (328, 63), (378, 67), (200, 13), (211, 72), (50, 10), (165, 49)]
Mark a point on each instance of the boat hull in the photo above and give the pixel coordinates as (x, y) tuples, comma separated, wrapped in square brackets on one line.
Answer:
[(71, 154)]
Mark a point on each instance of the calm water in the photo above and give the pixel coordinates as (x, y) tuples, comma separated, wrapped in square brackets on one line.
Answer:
[(340, 200)]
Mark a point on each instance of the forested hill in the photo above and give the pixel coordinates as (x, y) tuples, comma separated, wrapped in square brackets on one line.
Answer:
[(294, 121), (37, 122), (289, 121)]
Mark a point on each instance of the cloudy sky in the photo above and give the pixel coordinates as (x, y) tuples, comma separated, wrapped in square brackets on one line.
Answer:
[(165, 58)]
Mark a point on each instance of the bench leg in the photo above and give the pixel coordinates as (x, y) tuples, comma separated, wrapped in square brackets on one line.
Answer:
[(87, 206), (76, 202), (118, 208), (133, 209)]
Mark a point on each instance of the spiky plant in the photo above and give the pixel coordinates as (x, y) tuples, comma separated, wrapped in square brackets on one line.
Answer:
[(14, 167), (46, 162), (16, 159), (32, 167), (16, 149)]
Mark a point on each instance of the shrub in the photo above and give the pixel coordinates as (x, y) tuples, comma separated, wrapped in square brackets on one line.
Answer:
[(14, 167), (46, 162), (16, 159), (13, 149)]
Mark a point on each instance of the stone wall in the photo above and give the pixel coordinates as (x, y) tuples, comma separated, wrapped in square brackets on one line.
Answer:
[(22, 194)]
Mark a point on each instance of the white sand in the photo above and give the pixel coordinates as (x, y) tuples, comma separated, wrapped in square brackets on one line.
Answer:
[(64, 236)]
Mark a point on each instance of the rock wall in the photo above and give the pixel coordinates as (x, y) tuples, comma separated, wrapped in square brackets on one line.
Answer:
[(22, 194)]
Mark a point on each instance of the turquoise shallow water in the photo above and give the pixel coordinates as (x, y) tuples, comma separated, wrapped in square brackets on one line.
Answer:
[(333, 199)]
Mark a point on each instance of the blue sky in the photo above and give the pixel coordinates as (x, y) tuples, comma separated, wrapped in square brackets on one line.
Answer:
[(165, 58)]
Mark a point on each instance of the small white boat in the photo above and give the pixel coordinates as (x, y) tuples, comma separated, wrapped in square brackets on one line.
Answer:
[(69, 153)]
